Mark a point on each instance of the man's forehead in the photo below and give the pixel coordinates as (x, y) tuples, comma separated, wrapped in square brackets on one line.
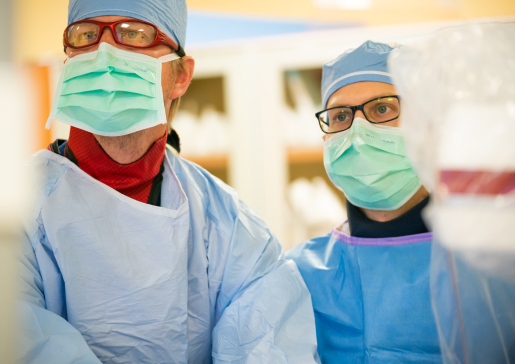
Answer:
[(360, 92), (110, 18)]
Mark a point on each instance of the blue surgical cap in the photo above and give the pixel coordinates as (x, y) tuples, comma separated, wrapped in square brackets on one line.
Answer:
[(167, 15), (365, 63)]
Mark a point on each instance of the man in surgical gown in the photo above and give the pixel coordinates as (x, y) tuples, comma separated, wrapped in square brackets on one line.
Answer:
[(132, 254), (369, 277)]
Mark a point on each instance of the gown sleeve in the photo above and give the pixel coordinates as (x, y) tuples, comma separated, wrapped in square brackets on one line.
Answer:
[(264, 308), (43, 336)]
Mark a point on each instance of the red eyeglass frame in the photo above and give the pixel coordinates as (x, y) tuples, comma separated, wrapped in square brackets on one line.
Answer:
[(161, 38)]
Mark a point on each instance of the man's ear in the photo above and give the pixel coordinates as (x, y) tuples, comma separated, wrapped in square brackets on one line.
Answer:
[(183, 78)]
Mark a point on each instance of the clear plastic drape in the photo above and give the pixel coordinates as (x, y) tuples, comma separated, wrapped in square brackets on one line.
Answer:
[(458, 115)]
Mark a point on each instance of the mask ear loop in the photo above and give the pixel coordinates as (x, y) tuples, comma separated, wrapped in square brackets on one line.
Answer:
[(169, 57), (164, 59)]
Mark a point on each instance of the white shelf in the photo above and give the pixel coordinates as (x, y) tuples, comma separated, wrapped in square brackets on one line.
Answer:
[(294, 155)]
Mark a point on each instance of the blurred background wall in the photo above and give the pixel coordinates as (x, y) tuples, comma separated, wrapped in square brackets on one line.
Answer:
[(248, 116), (6, 236), (15, 139), (44, 20)]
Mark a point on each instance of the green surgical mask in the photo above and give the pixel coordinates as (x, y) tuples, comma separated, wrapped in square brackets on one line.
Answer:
[(110, 92), (368, 163)]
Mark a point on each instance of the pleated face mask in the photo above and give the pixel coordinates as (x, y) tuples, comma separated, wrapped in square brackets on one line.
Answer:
[(110, 92), (368, 163)]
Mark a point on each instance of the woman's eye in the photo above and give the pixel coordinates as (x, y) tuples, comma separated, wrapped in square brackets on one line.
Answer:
[(382, 109), (132, 34), (342, 117)]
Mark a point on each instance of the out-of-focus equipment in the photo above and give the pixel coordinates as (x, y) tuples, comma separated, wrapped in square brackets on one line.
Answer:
[(458, 90), (111, 92)]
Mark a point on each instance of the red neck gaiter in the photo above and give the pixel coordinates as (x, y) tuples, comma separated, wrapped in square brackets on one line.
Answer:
[(133, 180)]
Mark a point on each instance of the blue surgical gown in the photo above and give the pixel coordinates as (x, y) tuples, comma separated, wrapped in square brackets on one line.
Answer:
[(201, 279), (371, 297)]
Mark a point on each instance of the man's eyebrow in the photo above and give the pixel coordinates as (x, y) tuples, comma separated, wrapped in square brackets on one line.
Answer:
[(341, 104)]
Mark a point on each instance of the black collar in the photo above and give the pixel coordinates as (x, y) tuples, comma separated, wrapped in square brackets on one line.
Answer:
[(409, 223)]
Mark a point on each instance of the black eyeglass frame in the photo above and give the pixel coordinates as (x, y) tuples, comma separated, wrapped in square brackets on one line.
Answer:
[(354, 109)]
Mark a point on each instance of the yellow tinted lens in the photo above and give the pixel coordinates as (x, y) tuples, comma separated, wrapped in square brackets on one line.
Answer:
[(135, 33), (83, 34), (382, 109)]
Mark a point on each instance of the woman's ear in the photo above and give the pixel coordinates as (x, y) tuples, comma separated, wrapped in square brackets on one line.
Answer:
[(183, 77)]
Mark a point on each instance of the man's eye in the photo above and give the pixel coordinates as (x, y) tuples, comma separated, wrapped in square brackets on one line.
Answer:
[(88, 35), (134, 34), (382, 109), (342, 117)]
